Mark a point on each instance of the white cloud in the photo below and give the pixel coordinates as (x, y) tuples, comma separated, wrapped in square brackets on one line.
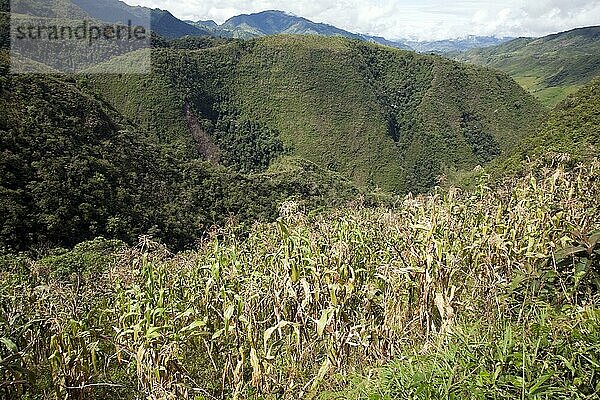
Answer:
[(393, 19)]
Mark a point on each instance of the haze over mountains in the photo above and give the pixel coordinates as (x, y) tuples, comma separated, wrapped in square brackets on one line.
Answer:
[(274, 22), (242, 26)]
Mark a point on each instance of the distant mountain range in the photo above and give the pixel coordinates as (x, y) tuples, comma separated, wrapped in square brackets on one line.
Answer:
[(550, 67), (273, 22), (460, 44), (162, 21), (245, 26)]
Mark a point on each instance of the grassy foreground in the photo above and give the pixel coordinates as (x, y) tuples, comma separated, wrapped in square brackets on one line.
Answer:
[(484, 294)]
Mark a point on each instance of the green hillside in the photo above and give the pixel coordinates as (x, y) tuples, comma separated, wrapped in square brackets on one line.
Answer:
[(489, 293), (382, 117), (233, 128), (572, 129), (73, 168), (275, 218), (550, 67), (574, 125)]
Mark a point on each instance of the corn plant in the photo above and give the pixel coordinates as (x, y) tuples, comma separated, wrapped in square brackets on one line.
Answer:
[(450, 285)]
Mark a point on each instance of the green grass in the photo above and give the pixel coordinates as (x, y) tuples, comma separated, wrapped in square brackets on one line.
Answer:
[(551, 355), (551, 67), (527, 82), (549, 96)]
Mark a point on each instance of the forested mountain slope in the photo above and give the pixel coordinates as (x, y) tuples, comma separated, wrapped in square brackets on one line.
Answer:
[(230, 128), (489, 293), (72, 168), (551, 67), (383, 117), (572, 130)]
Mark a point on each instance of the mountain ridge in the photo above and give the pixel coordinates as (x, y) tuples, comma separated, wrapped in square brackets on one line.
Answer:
[(270, 22), (167, 25), (380, 116), (161, 22), (73, 167), (243, 26), (273, 22), (551, 67)]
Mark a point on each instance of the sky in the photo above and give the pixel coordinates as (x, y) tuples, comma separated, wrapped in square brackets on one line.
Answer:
[(408, 19)]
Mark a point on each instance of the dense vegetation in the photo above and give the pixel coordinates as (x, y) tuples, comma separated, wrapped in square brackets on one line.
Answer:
[(573, 128), (384, 118), (72, 168), (488, 293), (217, 229), (485, 294), (550, 67)]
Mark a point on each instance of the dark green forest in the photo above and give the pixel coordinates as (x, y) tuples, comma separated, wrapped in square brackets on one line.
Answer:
[(73, 168), (196, 143)]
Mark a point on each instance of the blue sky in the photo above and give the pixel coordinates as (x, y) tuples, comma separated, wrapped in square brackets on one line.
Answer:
[(395, 19)]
